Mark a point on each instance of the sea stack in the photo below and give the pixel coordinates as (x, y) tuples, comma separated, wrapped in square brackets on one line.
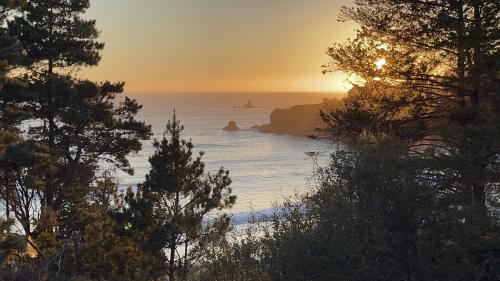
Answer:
[(249, 105), (231, 127)]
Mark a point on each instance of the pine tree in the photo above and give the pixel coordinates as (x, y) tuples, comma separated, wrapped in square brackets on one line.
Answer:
[(11, 243), (81, 122), (176, 202), (76, 125), (438, 88), (10, 88)]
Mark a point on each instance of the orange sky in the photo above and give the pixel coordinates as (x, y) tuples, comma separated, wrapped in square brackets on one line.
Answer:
[(219, 45)]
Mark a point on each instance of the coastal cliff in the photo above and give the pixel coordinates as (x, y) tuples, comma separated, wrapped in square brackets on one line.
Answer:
[(298, 120)]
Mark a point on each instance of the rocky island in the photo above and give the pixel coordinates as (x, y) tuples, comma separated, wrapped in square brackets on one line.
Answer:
[(249, 105), (231, 127)]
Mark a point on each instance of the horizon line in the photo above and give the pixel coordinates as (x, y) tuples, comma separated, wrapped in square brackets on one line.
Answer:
[(238, 92)]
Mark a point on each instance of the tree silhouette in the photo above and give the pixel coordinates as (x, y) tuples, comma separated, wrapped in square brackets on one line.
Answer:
[(81, 122), (176, 202), (438, 89)]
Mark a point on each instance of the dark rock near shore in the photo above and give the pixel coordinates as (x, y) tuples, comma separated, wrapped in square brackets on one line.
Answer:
[(231, 127), (249, 105), (298, 120)]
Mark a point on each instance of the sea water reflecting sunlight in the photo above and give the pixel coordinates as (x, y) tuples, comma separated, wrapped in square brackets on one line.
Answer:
[(265, 168)]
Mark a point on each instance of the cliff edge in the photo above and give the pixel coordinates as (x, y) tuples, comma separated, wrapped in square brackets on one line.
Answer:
[(298, 120)]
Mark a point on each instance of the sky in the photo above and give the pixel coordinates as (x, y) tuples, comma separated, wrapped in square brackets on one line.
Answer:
[(219, 45)]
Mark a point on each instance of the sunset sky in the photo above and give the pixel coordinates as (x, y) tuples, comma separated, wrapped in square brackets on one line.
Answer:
[(219, 45)]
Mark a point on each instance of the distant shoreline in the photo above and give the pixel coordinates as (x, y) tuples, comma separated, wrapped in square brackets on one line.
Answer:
[(230, 100)]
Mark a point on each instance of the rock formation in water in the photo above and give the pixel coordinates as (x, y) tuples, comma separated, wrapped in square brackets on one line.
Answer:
[(249, 105), (298, 120), (231, 127)]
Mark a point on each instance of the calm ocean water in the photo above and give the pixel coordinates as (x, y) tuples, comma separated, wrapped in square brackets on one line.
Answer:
[(265, 168)]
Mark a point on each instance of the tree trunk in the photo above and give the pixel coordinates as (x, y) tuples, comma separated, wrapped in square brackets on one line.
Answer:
[(185, 267), (173, 239), (49, 185), (480, 212), (171, 271), (461, 54), (477, 57), (51, 137)]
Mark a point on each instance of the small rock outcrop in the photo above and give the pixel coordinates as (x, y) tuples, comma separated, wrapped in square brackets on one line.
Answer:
[(249, 105), (231, 127)]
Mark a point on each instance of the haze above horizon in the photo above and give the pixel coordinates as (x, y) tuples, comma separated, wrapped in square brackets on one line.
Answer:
[(219, 45)]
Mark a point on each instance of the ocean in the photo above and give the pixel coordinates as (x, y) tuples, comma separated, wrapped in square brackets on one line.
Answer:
[(264, 168)]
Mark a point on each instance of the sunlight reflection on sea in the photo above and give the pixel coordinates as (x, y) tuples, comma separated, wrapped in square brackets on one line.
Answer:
[(265, 168)]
